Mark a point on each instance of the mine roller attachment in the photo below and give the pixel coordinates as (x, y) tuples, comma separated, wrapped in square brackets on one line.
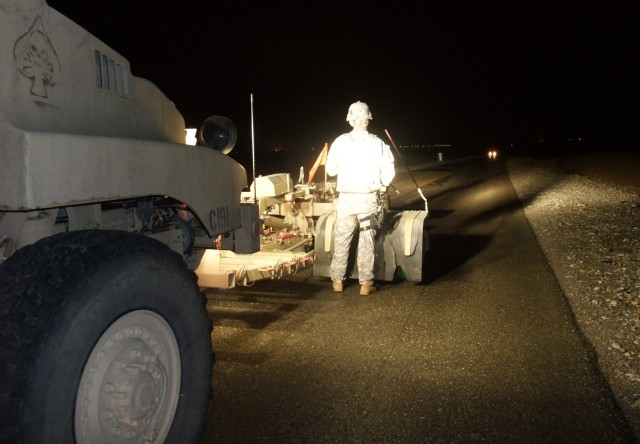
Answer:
[(401, 244), (219, 133)]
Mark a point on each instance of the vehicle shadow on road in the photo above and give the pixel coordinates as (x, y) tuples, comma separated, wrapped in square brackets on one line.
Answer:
[(262, 304), (448, 253)]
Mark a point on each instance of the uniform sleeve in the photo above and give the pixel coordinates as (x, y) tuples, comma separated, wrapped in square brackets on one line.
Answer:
[(332, 159), (387, 169)]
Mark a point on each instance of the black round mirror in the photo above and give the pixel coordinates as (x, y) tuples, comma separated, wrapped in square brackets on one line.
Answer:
[(219, 133)]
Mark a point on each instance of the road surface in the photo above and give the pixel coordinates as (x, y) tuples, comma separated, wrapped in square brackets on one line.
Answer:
[(485, 349)]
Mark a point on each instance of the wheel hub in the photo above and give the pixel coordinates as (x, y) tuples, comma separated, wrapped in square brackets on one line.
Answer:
[(128, 391)]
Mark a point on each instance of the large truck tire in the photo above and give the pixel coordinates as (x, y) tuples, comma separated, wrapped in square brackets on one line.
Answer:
[(104, 337)]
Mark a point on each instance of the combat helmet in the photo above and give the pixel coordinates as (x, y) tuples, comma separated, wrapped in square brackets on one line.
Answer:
[(359, 114)]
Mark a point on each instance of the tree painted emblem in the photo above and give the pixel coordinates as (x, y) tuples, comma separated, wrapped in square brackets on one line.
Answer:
[(36, 58)]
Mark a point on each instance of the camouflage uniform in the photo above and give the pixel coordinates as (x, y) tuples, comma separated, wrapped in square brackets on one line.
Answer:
[(353, 208), (364, 165)]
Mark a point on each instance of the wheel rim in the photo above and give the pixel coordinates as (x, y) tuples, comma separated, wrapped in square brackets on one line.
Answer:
[(130, 385)]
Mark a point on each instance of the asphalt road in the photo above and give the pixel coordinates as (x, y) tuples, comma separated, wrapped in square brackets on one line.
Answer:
[(485, 349)]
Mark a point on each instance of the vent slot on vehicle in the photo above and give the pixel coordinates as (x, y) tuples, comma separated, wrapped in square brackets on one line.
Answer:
[(111, 76)]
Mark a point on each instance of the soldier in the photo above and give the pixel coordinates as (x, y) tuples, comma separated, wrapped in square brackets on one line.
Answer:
[(364, 167)]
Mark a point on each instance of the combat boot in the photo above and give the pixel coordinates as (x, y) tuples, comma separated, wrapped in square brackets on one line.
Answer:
[(337, 287), (366, 289)]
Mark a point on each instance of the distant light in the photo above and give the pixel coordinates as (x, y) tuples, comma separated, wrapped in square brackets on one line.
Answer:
[(426, 146), (190, 134)]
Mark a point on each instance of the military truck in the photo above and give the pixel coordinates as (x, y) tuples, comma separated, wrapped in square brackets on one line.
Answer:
[(105, 213), (111, 224)]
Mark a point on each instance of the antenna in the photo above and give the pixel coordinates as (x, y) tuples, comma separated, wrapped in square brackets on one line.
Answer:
[(253, 156), (426, 204)]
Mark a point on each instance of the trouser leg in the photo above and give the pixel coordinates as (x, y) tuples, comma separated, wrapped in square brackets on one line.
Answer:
[(366, 256), (345, 226)]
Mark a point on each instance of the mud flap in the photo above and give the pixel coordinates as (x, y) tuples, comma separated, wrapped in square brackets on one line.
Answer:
[(401, 244)]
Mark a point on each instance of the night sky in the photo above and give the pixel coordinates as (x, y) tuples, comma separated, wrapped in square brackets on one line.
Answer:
[(473, 74)]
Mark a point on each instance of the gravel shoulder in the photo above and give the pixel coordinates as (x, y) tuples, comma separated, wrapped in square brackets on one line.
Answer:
[(589, 229)]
